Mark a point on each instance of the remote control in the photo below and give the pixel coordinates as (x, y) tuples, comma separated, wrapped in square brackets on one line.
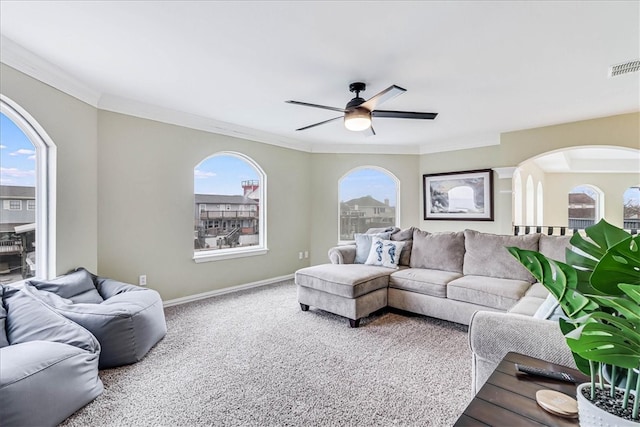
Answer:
[(530, 370)]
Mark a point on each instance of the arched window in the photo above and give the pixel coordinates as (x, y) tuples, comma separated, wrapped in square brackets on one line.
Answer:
[(517, 198), (368, 198), (229, 207), (530, 208), (585, 206), (539, 205), (631, 209), (27, 191)]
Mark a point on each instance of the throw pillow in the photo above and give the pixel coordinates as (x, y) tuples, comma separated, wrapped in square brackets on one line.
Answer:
[(437, 251), (385, 253), (363, 245), (406, 236), (550, 309), (77, 286), (487, 255)]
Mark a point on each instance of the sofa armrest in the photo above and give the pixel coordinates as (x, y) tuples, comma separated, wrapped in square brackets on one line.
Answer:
[(492, 335), (345, 254)]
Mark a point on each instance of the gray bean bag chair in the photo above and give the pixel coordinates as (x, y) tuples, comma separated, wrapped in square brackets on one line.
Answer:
[(48, 364), (127, 320)]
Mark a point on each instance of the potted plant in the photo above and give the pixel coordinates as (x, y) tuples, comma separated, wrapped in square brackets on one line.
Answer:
[(599, 291)]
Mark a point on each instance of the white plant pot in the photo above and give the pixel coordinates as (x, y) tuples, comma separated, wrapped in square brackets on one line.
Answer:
[(590, 415)]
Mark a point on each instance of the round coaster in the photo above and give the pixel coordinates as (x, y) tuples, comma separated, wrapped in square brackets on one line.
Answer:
[(557, 403)]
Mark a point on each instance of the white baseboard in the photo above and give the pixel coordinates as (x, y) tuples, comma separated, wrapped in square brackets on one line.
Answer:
[(204, 295)]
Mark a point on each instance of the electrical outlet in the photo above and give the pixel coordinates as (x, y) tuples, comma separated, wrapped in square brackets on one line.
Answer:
[(299, 255), (306, 254), (142, 280)]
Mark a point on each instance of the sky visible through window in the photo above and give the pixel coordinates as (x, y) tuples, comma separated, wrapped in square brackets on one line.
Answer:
[(368, 182), (222, 174), (17, 156)]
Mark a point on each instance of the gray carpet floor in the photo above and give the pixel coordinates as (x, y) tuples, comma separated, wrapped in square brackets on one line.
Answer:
[(253, 358)]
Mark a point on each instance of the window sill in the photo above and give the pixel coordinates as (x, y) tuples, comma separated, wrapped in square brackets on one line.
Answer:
[(220, 255)]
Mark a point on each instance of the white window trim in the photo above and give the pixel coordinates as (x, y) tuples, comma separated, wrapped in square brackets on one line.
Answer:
[(231, 253), (379, 169), (46, 158)]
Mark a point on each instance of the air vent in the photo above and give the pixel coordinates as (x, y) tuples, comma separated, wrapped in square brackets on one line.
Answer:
[(624, 68)]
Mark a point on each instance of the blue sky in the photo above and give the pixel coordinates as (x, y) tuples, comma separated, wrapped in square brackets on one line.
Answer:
[(368, 182), (222, 175), (17, 156)]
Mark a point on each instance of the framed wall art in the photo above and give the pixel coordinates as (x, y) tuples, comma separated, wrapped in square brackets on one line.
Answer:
[(464, 196)]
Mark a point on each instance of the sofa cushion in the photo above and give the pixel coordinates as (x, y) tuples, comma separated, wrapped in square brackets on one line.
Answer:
[(439, 251), (346, 280), (4, 341), (549, 309), (527, 306), (537, 290), (385, 253), (554, 247), (487, 255), (497, 293), (77, 286), (423, 281), (363, 245), (406, 236)]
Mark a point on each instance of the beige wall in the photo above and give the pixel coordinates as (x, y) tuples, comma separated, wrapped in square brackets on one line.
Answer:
[(326, 171), (618, 131), (146, 206), (72, 126), (517, 147), (463, 160), (125, 189), (612, 185)]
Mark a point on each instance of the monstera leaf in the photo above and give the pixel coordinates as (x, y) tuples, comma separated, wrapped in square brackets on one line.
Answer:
[(588, 251), (621, 264), (560, 280)]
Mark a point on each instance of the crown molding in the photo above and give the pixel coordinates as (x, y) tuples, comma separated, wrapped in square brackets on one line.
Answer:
[(505, 173), (27, 62), (166, 115), (463, 143), (364, 149)]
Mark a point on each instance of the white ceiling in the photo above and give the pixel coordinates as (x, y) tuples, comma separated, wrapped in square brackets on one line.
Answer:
[(486, 67)]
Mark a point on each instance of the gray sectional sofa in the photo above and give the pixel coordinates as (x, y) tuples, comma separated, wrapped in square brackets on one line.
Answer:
[(466, 277)]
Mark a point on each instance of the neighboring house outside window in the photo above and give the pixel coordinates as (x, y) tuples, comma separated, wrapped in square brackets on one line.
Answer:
[(631, 208), (368, 199), (229, 198), (27, 181), (584, 207)]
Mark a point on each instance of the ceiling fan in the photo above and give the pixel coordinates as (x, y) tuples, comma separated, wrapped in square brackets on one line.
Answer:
[(358, 112)]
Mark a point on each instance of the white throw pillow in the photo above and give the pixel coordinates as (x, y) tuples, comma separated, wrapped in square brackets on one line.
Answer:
[(363, 245), (385, 253)]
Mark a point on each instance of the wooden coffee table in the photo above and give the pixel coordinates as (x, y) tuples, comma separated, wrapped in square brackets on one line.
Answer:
[(510, 400)]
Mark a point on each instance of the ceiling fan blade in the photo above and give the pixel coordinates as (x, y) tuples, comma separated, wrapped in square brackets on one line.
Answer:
[(387, 94), (403, 114), (320, 123), (306, 104), (369, 131)]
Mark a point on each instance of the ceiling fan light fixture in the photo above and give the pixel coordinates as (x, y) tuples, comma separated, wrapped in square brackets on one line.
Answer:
[(357, 119)]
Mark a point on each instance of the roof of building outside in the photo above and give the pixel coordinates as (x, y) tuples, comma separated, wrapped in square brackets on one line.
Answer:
[(15, 191), (580, 198), (224, 199), (365, 201)]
